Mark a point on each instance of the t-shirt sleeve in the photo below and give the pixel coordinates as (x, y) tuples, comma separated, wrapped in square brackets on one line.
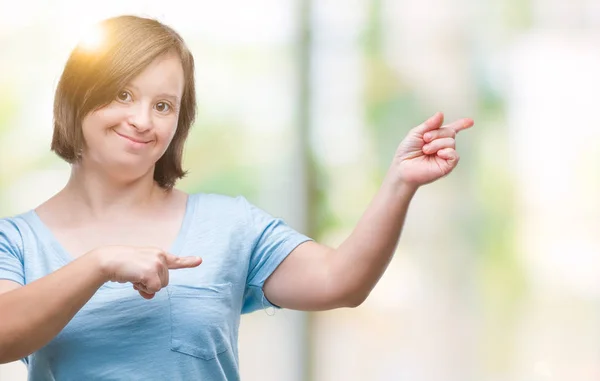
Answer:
[(11, 253), (273, 241)]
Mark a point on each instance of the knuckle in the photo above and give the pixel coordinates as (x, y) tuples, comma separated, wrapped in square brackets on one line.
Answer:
[(153, 286)]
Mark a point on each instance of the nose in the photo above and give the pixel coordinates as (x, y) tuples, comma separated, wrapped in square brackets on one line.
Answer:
[(141, 117)]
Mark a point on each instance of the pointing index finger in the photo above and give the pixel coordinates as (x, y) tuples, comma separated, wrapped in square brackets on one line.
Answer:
[(461, 124), (175, 262)]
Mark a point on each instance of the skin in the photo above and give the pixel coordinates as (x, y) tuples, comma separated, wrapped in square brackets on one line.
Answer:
[(316, 277), (101, 218)]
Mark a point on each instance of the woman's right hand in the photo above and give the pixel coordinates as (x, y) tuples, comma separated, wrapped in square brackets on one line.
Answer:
[(147, 268)]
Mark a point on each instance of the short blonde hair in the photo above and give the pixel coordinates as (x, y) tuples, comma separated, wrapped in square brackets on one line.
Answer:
[(92, 79)]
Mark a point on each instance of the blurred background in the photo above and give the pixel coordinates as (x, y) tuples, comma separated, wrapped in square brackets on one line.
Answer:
[(301, 106)]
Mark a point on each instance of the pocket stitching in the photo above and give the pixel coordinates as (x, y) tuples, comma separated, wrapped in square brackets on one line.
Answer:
[(198, 351)]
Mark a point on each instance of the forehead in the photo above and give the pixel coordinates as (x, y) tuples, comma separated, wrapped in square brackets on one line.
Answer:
[(163, 75)]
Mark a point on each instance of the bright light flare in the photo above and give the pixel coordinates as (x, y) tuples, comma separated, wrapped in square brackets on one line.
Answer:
[(92, 38)]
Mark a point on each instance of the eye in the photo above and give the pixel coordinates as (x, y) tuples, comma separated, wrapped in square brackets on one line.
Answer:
[(162, 107), (124, 96)]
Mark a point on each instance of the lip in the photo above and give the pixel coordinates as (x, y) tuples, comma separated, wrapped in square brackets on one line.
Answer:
[(133, 139)]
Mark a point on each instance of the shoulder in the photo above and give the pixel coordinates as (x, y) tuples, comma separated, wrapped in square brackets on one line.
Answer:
[(232, 210), (15, 225), (212, 203), (14, 231), (219, 206)]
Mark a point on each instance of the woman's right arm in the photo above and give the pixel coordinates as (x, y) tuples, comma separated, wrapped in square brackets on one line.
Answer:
[(32, 315)]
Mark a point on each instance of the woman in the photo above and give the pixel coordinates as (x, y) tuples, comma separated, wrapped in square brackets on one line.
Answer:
[(72, 270)]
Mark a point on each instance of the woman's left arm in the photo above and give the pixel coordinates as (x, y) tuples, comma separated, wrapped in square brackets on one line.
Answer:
[(316, 277)]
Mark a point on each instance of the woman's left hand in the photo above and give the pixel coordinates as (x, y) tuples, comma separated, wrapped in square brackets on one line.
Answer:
[(428, 152)]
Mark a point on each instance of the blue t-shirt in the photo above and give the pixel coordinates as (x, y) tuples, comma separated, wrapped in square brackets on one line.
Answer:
[(188, 331)]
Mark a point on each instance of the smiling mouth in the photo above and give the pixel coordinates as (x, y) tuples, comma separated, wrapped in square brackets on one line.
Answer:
[(132, 139)]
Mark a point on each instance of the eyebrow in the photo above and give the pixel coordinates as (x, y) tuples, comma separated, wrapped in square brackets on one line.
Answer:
[(173, 98)]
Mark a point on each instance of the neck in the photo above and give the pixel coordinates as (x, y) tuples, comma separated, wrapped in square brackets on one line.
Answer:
[(102, 196)]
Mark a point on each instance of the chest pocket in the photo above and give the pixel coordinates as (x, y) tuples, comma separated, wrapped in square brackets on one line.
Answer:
[(200, 324)]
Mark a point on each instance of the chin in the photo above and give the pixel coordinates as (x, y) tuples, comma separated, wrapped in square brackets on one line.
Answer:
[(129, 169)]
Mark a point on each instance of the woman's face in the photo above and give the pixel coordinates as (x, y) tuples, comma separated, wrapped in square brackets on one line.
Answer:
[(128, 136)]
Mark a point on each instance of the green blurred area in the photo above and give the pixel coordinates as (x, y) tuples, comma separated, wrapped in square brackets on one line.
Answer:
[(252, 111)]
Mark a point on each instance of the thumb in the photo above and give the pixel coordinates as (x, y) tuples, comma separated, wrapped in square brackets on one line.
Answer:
[(450, 155), (175, 262)]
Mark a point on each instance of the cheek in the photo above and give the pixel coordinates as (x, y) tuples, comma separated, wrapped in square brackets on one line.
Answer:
[(99, 121), (167, 132), (89, 126)]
